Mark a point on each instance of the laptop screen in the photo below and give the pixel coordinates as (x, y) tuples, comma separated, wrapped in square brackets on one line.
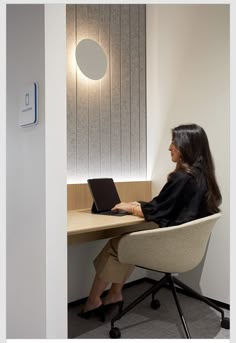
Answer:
[(104, 193)]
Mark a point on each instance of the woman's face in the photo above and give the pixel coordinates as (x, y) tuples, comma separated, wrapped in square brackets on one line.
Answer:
[(175, 153)]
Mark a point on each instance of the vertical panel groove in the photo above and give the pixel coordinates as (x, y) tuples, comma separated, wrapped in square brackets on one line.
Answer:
[(76, 90), (100, 84), (130, 80), (110, 72), (139, 85), (89, 146), (145, 127), (120, 96)]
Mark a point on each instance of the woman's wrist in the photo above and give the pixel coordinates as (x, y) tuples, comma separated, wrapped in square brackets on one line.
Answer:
[(136, 209)]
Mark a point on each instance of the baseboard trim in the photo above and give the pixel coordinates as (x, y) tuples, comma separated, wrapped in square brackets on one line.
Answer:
[(152, 281), (180, 290)]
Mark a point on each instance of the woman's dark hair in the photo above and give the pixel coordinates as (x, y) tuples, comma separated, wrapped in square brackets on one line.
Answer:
[(192, 142)]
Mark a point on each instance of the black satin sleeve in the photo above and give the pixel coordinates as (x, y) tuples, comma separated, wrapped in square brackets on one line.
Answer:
[(174, 196)]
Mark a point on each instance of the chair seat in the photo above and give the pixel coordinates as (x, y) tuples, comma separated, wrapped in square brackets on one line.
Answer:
[(173, 249)]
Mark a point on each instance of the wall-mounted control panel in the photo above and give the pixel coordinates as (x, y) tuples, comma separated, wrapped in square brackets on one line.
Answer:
[(28, 114)]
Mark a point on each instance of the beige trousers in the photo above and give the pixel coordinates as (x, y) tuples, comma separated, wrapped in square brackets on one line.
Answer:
[(107, 264)]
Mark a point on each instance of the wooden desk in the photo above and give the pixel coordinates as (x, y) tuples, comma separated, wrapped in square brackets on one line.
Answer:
[(83, 226)]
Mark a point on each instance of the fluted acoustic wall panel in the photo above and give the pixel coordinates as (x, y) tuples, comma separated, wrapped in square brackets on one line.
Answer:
[(106, 119)]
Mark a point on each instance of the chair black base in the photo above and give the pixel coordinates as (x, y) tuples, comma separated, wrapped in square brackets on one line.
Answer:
[(172, 281)]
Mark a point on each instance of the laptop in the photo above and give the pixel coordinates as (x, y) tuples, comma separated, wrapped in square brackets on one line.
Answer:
[(105, 196)]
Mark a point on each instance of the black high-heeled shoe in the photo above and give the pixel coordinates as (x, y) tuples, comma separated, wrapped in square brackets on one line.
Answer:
[(96, 312), (119, 304)]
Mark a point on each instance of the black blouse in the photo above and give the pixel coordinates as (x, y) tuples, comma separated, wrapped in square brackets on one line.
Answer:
[(182, 199)]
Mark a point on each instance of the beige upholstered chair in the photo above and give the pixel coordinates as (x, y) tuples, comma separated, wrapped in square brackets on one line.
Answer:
[(168, 250)]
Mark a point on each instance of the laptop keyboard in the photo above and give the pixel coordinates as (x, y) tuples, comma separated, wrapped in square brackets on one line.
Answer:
[(115, 213)]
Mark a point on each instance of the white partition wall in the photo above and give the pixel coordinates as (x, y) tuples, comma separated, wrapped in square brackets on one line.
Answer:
[(56, 172), (188, 81), (36, 175), (2, 174), (26, 212)]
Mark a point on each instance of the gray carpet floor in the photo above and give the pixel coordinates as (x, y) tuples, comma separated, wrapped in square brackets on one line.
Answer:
[(144, 322)]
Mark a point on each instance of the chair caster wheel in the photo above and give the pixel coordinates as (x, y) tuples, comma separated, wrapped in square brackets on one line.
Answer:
[(225, 323), (155, 304), (115, 333)]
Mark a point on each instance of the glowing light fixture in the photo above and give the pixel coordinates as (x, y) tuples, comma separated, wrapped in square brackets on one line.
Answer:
[(91, 59)]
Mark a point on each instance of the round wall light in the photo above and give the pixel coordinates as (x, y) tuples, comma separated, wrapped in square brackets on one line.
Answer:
[(91, 59)]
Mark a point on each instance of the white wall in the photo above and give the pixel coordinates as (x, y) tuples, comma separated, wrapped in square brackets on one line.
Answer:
[(2, 173), (36, 175), (56, 171), (26, 254), (188, 81)]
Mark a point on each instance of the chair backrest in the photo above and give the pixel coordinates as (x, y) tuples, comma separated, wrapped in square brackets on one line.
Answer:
[(173, 249)]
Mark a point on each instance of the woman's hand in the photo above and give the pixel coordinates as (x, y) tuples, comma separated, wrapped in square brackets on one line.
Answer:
[(131, 207), (124, 206)]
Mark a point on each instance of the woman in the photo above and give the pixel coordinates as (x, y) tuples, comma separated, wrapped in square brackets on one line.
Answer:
[(191, 192)]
